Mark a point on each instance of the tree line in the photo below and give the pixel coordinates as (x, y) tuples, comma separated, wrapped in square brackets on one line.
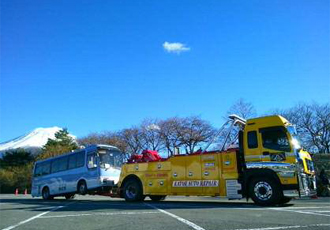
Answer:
[(189, 134)]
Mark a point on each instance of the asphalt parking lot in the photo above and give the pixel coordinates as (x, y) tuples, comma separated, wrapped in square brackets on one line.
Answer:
[(97, 212)]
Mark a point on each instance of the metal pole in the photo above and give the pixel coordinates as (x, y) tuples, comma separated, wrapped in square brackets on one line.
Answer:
[(218, 134)]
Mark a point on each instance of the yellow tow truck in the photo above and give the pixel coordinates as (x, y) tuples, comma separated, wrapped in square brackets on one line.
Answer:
[(268, 166)]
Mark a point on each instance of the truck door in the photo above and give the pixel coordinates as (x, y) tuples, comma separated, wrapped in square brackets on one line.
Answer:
[(210, 174), (194, 174), (252, 146)]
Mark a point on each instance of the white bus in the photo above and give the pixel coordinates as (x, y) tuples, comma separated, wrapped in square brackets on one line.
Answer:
[(93, 169)]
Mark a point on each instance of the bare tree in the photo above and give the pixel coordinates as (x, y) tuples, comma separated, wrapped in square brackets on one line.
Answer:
[(93, 138), (193, 133), (151, 135), (322, 113), (243, 109), (133, 139), (169, 130), (313, 125), (108, 138)]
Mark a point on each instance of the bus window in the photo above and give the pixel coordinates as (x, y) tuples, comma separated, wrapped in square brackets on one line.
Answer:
[(60, 164), (55, 165), (73, 161), (63, 165), (80, 159), (46, 168), (37, 171), (42, 169), (91, 159)]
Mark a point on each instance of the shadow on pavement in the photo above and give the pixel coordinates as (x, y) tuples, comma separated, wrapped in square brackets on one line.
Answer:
[(36, 204)]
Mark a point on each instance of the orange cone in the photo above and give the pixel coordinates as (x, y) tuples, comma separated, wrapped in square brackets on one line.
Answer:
[(16, 192), (25, 192)]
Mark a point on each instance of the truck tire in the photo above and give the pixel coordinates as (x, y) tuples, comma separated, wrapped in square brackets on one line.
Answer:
[(157, 198), (46, 194), (133, 191), (265, 191), (285, 200)]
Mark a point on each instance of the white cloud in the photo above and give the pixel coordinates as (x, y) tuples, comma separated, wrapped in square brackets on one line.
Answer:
[(175, 47)]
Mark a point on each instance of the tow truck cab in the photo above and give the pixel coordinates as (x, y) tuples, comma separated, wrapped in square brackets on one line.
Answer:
[(270, 145)]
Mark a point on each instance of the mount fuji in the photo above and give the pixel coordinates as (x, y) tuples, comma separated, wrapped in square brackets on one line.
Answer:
[(32, 141)]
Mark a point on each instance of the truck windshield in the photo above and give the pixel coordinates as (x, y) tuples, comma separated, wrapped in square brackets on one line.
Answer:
[(275, 138), (112, 158), (295, 140)]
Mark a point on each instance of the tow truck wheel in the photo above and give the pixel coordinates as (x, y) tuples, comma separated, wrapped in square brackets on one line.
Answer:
[(133, 191), (157, 198), (265, 192), (285, 200)]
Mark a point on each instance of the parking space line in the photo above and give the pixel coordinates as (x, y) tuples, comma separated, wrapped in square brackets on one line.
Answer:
[(98, 214), (311, 213), (321, 211), (187, 222), (317, 213), (301, 207), (32, 218), (286, 227)]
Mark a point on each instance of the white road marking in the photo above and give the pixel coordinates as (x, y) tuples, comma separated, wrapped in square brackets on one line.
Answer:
[(309, 212), (98, 214), (248, 207), (286, 227), (187, 222), (302, 207), (32, 218), (321, 211)]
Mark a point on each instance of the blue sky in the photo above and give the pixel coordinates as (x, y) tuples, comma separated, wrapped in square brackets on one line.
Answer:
[(92, 66)]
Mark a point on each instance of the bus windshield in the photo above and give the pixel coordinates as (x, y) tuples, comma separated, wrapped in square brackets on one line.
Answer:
[(110, 158)]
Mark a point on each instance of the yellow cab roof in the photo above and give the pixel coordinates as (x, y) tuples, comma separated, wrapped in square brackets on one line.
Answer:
[(268, 121)]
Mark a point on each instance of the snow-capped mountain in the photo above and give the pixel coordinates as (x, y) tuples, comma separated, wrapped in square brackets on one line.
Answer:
[(32, 141)]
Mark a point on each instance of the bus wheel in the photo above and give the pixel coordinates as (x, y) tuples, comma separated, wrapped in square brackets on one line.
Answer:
[(45, 194), (69, 196), (264, 191), (157, 198), (82, 188), (133, 191)]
